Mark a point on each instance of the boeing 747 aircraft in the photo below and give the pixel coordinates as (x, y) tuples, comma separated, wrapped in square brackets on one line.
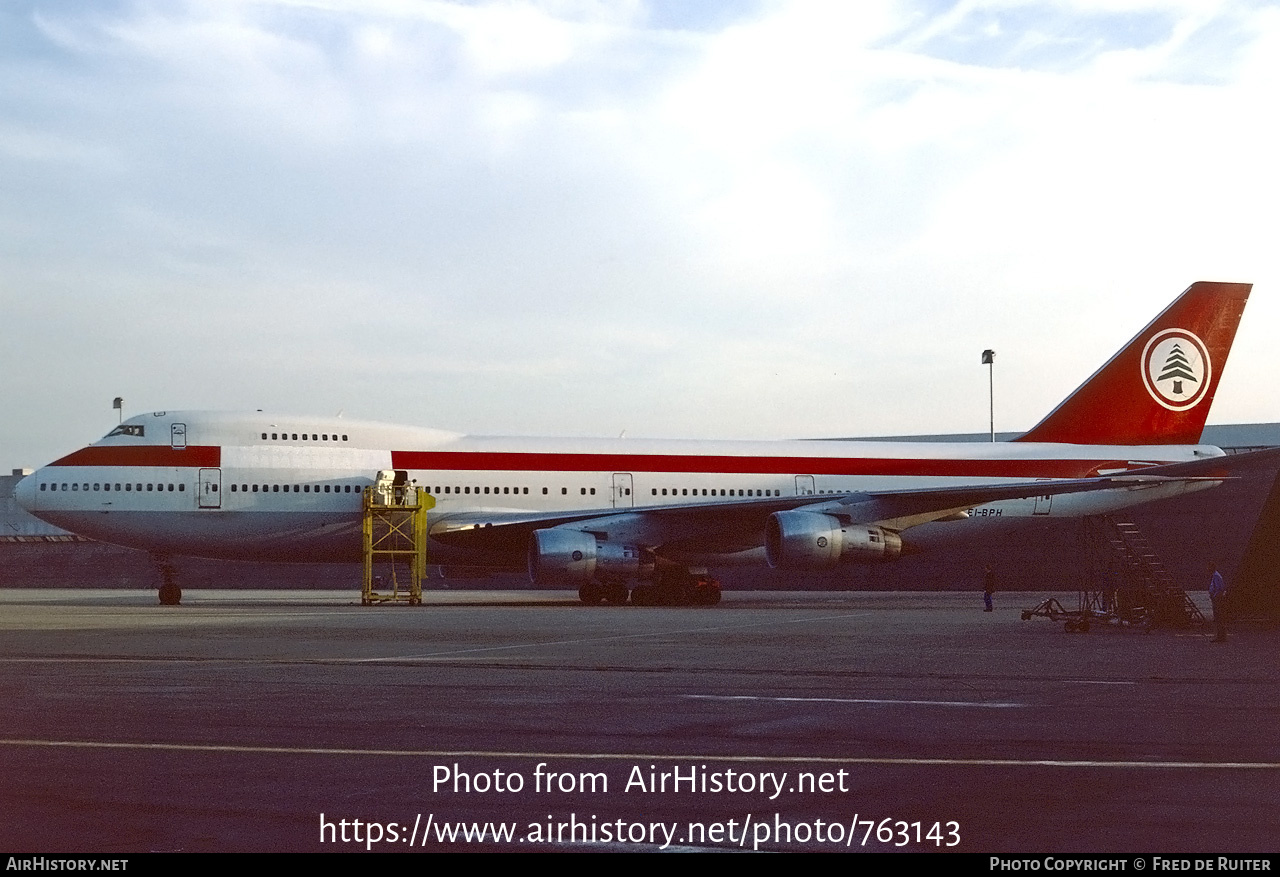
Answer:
[(607, 515)]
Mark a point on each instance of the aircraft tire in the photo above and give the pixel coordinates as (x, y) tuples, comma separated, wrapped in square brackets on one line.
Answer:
[(644, 595), (170, 594), (590, 594)]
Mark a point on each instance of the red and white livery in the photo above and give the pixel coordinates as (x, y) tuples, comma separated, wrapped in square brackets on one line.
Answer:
[(602, 513)]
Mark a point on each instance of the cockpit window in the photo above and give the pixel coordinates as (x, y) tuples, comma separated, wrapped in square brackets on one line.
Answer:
[(135, 429)]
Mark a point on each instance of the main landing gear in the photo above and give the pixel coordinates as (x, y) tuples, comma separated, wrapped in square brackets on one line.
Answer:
[(593, 593), (672, 587), (170, 594)]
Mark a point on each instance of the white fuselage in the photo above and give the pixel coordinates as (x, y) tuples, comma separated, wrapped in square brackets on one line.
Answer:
[(289, 488)]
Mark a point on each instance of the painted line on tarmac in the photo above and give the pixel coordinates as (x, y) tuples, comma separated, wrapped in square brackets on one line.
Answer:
[(426, 656), (600, 639), (862, 700), (644, 756), (1094, 682)]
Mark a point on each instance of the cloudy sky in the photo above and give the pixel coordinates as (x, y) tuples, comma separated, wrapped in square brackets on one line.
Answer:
[(684, 218)]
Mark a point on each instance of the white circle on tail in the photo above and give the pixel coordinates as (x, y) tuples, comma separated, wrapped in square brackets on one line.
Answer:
[(1176, 369)]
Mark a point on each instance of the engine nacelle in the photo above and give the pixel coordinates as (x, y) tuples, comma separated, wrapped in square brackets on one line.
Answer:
[(812, 540), (572, 557)]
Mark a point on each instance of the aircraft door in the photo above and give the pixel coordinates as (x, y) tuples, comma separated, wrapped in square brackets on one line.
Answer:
[(178, 436), (804, 485), (623, 495), (210, 490), (1043, 503)]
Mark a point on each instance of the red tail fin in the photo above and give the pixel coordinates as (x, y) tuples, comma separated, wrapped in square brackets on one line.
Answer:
[(1157, 390)]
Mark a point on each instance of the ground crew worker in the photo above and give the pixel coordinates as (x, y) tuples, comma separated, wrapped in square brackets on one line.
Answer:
[(1218, 596)]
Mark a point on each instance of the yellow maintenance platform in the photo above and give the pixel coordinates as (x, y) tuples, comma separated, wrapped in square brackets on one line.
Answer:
[(395, 543)]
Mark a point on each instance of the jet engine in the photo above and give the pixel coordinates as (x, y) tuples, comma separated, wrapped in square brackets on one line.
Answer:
[(565, 557), (812, 540)]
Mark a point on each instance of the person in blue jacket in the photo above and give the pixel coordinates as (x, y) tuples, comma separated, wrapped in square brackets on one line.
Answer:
[(1218, 596)]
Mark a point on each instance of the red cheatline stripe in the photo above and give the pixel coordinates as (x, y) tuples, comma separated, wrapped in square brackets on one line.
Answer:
[(201, 456), (192, 456), (730, 465)]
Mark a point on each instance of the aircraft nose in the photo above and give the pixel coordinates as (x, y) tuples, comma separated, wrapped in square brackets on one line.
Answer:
[(24, 493)]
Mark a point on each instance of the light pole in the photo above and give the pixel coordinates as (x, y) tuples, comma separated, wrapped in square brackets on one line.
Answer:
[(989, 360), (118, 404)]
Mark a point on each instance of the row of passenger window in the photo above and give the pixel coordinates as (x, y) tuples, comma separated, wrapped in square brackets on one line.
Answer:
[(564, 491), (685, 491), (107, 487), (591, 491), (293, 436), (348, 488), (437, 491), (296, 488)]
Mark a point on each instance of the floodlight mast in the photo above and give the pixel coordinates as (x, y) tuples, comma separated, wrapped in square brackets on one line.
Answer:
[(989, 360)]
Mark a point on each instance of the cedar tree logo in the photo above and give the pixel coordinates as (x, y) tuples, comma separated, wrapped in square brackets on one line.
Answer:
[(1176, 369)]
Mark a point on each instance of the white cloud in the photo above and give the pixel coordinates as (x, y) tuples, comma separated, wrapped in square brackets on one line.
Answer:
[(765, 220)]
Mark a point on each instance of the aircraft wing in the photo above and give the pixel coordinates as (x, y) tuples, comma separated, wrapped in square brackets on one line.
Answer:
[(739, 525), (1228, 466)]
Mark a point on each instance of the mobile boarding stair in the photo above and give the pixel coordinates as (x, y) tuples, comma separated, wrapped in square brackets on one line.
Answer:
[(1124, 583)]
